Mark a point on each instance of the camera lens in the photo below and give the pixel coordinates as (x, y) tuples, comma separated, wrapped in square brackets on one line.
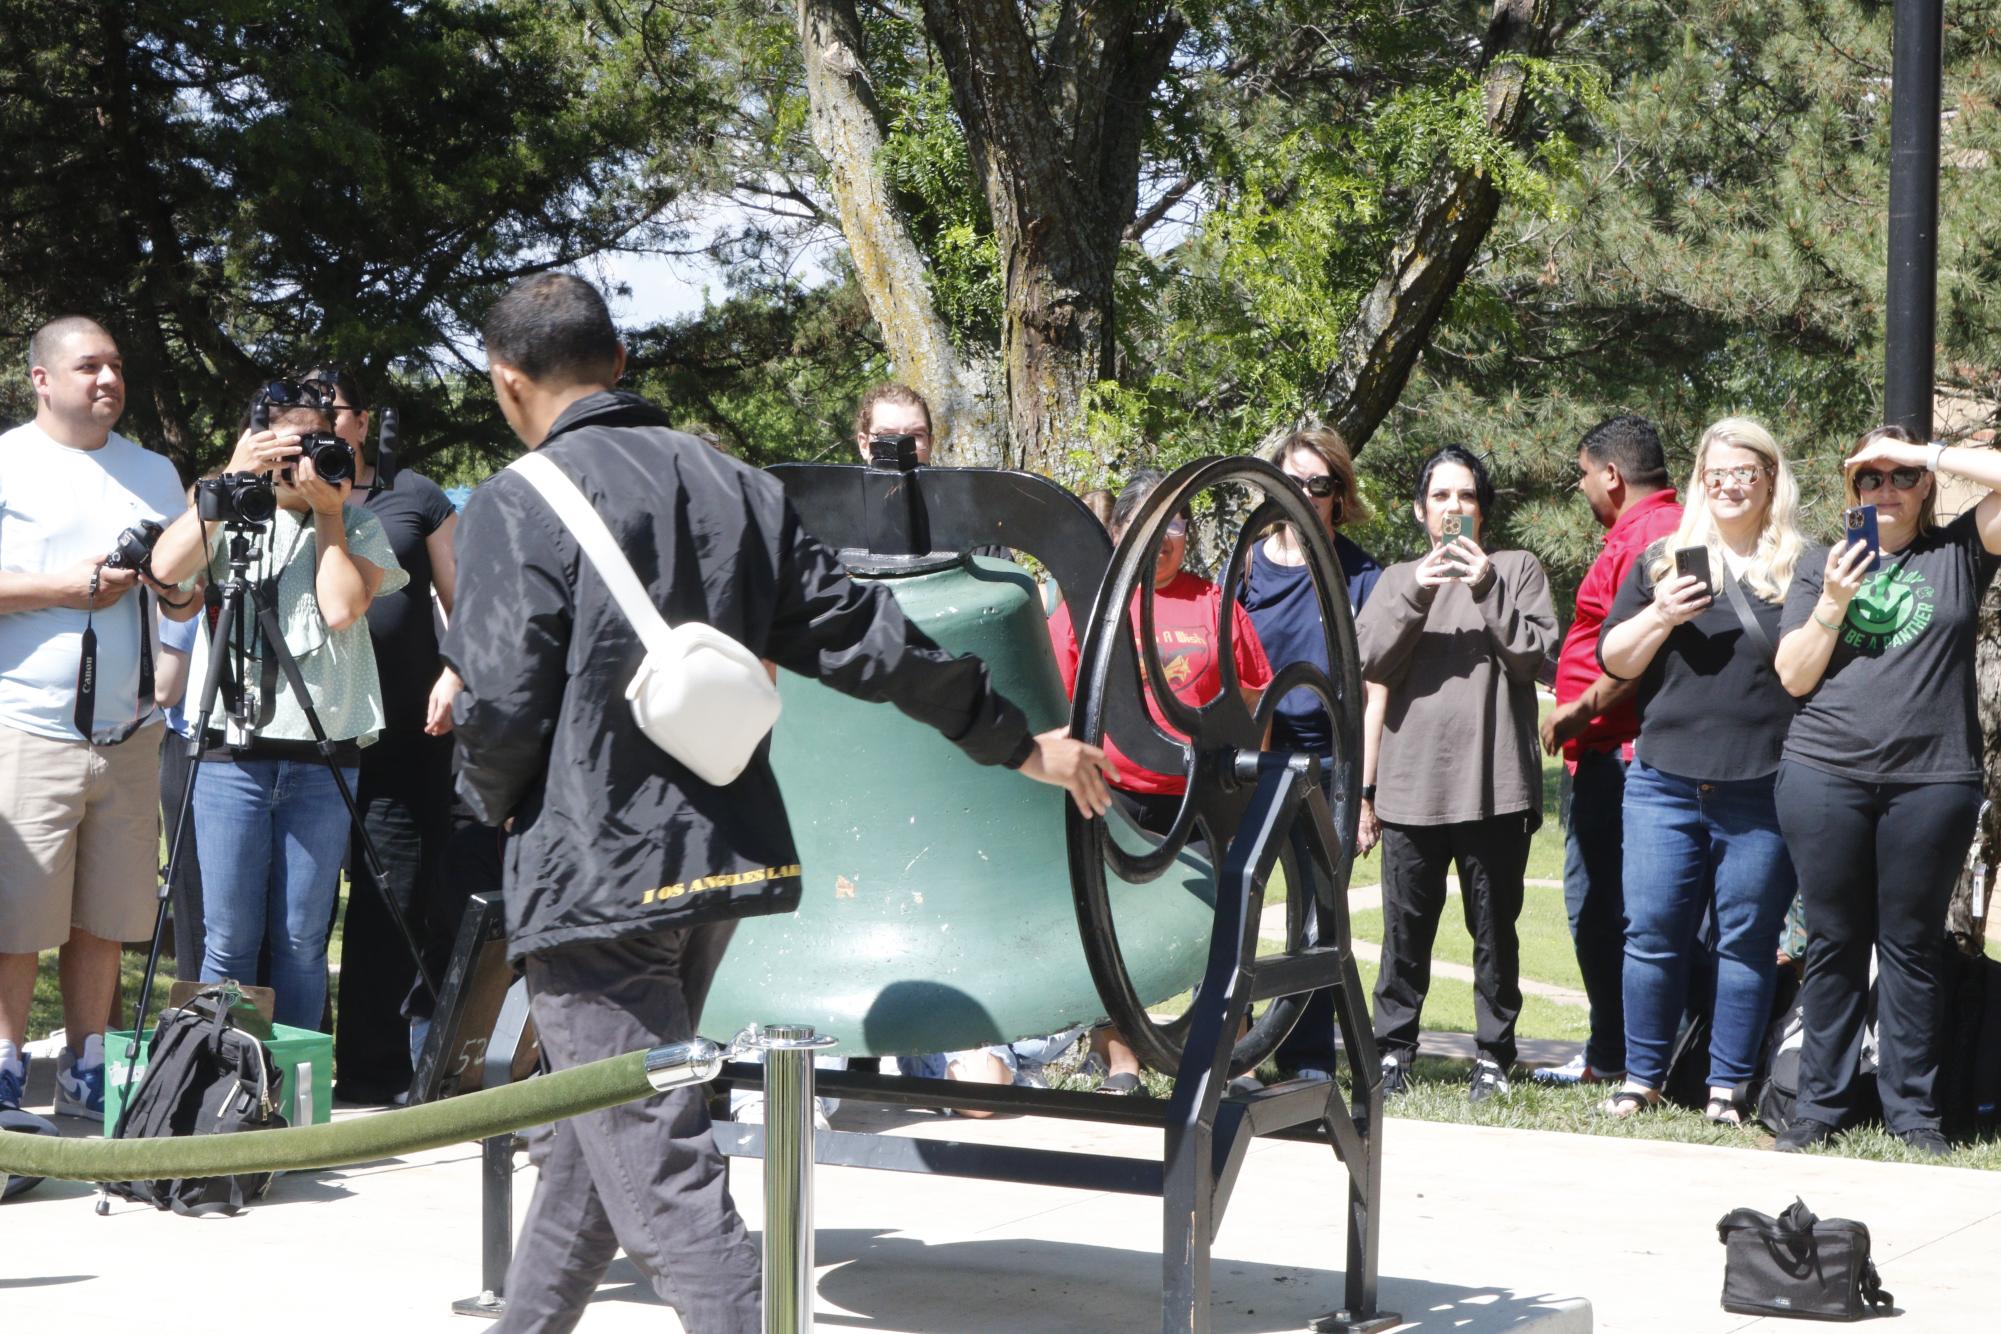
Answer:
[(254, 500), (332, 459)]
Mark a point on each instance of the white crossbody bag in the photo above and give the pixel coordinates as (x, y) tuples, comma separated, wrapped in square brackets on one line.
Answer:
[(698, 694)]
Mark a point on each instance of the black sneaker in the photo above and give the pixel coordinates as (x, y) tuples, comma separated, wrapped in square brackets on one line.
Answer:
[(1803, 1135), (1489, 1081), (1926, 1140), (1394, 1074)]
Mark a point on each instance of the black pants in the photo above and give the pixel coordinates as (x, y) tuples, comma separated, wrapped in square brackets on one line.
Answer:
[(1491, 855), (1877, 863), (404, 794), (1594, 894), (645, 1175), (1310, 1044), (184, 895)]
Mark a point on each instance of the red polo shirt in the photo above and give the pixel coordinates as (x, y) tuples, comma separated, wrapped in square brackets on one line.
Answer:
[(1645, 522)]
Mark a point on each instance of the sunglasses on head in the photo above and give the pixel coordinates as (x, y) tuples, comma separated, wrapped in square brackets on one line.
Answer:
[(298, 394), (1319, 487), (1868, 479)]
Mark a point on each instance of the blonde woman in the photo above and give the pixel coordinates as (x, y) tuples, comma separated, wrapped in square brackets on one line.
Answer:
[(1701, 822), (1880, 788)]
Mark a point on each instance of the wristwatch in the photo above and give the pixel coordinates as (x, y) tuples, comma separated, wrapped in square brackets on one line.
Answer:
[(1936, 448), (1369, 792)]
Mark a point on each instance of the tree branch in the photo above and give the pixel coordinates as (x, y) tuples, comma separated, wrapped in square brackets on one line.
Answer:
[(1455, 211)]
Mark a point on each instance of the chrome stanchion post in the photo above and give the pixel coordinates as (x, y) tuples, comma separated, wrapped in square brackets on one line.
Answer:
[(788, 1175)]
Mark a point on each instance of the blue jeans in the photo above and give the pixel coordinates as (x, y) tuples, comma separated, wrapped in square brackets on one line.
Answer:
[(270, 835), (1691, 844), (1594, 895)]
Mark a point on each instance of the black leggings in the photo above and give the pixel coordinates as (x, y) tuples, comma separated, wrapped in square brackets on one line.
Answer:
[(1877, 863)]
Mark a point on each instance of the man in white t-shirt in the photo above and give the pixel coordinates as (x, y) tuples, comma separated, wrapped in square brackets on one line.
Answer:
[(79, 814)]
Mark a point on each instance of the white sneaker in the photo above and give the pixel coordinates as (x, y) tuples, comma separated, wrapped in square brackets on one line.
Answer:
[(1574, 1071), (80, 1079)]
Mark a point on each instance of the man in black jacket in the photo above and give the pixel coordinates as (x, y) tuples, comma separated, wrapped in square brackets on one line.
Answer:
[(603, 820)]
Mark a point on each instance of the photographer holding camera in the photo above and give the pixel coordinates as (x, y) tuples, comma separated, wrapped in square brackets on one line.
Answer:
[(269, 819), (79, 736)]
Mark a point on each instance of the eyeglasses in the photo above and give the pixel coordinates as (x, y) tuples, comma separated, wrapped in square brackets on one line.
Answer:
[(1319, 487), (1743, 476), (1176, 527), (1904, 479)]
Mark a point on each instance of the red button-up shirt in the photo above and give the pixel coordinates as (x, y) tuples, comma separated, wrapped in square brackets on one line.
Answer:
[(1644, 522)]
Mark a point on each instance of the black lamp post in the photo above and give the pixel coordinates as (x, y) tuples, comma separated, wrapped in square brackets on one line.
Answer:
[(1911, 323)]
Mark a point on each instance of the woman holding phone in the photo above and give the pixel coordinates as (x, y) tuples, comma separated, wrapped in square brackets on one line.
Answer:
[(1879, 789), (1450, 646), (1695, 625)]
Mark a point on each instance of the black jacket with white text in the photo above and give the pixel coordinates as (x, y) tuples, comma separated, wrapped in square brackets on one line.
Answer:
[(612, 837)]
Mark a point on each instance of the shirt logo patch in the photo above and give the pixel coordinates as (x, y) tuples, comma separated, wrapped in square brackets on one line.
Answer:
[(1889, 611)]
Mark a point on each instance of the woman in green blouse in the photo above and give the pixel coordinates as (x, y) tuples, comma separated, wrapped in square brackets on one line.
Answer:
[(270, 824)]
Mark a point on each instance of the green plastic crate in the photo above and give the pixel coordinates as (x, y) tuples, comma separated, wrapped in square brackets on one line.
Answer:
[(292, 1050)]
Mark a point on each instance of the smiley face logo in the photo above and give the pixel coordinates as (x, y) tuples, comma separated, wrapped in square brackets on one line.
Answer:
[(1883, 608)]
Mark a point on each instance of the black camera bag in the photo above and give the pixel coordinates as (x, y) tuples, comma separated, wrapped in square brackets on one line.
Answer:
[(204, 1076), (1798, 1265)]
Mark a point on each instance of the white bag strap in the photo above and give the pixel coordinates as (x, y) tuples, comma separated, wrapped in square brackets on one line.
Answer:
[(578, 515)]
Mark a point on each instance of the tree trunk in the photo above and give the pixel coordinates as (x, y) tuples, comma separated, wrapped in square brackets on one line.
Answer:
[(848, 131), (1966, 918)]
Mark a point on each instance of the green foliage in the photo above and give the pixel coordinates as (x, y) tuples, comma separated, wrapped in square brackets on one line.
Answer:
[(238, 191), (771, 376), (1717, 248), (924, 159)]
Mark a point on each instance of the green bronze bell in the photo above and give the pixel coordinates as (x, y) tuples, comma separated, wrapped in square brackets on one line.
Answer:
[(937, 913)]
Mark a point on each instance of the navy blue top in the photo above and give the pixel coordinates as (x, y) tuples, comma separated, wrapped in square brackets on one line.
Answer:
[(1286, 612)]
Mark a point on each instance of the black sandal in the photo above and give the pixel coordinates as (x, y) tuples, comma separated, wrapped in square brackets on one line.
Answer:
[(1628, 1102), (1724, 1112), (1125, 1083)]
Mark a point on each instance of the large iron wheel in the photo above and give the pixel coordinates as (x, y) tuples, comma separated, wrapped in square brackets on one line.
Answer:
[(1108, 696)]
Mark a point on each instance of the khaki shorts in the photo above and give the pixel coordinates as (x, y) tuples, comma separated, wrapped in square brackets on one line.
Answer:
[(79, 838)]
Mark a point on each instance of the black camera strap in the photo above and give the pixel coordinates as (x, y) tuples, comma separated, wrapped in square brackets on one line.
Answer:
[(86, 671)]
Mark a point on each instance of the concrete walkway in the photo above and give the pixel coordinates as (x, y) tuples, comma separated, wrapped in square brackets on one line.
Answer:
[(1483, 1230)]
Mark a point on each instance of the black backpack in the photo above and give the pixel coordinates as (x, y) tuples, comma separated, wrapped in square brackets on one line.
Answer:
[(204, 1076), (1777, 1094)]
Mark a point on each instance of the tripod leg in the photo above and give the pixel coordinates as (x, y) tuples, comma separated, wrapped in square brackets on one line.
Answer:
[(267, 619), (232, 607)]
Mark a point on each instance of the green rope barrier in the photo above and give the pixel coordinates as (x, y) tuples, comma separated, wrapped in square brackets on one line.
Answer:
[(431, 1125)]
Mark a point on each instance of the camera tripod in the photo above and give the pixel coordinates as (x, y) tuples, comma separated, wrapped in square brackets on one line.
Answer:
[(235, 592)]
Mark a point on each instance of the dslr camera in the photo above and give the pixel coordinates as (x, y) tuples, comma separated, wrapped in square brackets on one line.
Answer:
[(133, 548), (332, 459), (236, 497), (897, 450)]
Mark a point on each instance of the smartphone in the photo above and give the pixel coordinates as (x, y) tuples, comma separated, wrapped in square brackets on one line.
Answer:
[(1861, 521), (1695, 561), (1450, 529)]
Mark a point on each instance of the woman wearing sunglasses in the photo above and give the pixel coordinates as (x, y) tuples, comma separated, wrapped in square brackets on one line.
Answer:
[(1450, 644), (1279, 594), (1187, 616), (270, 824), (1701, 829), (1879, 790)]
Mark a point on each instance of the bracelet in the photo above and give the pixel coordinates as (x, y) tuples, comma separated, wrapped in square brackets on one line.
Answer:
[(1931, 460), (1823, 624)]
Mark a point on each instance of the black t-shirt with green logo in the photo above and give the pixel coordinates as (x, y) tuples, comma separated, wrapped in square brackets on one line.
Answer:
[(1897, 703)]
